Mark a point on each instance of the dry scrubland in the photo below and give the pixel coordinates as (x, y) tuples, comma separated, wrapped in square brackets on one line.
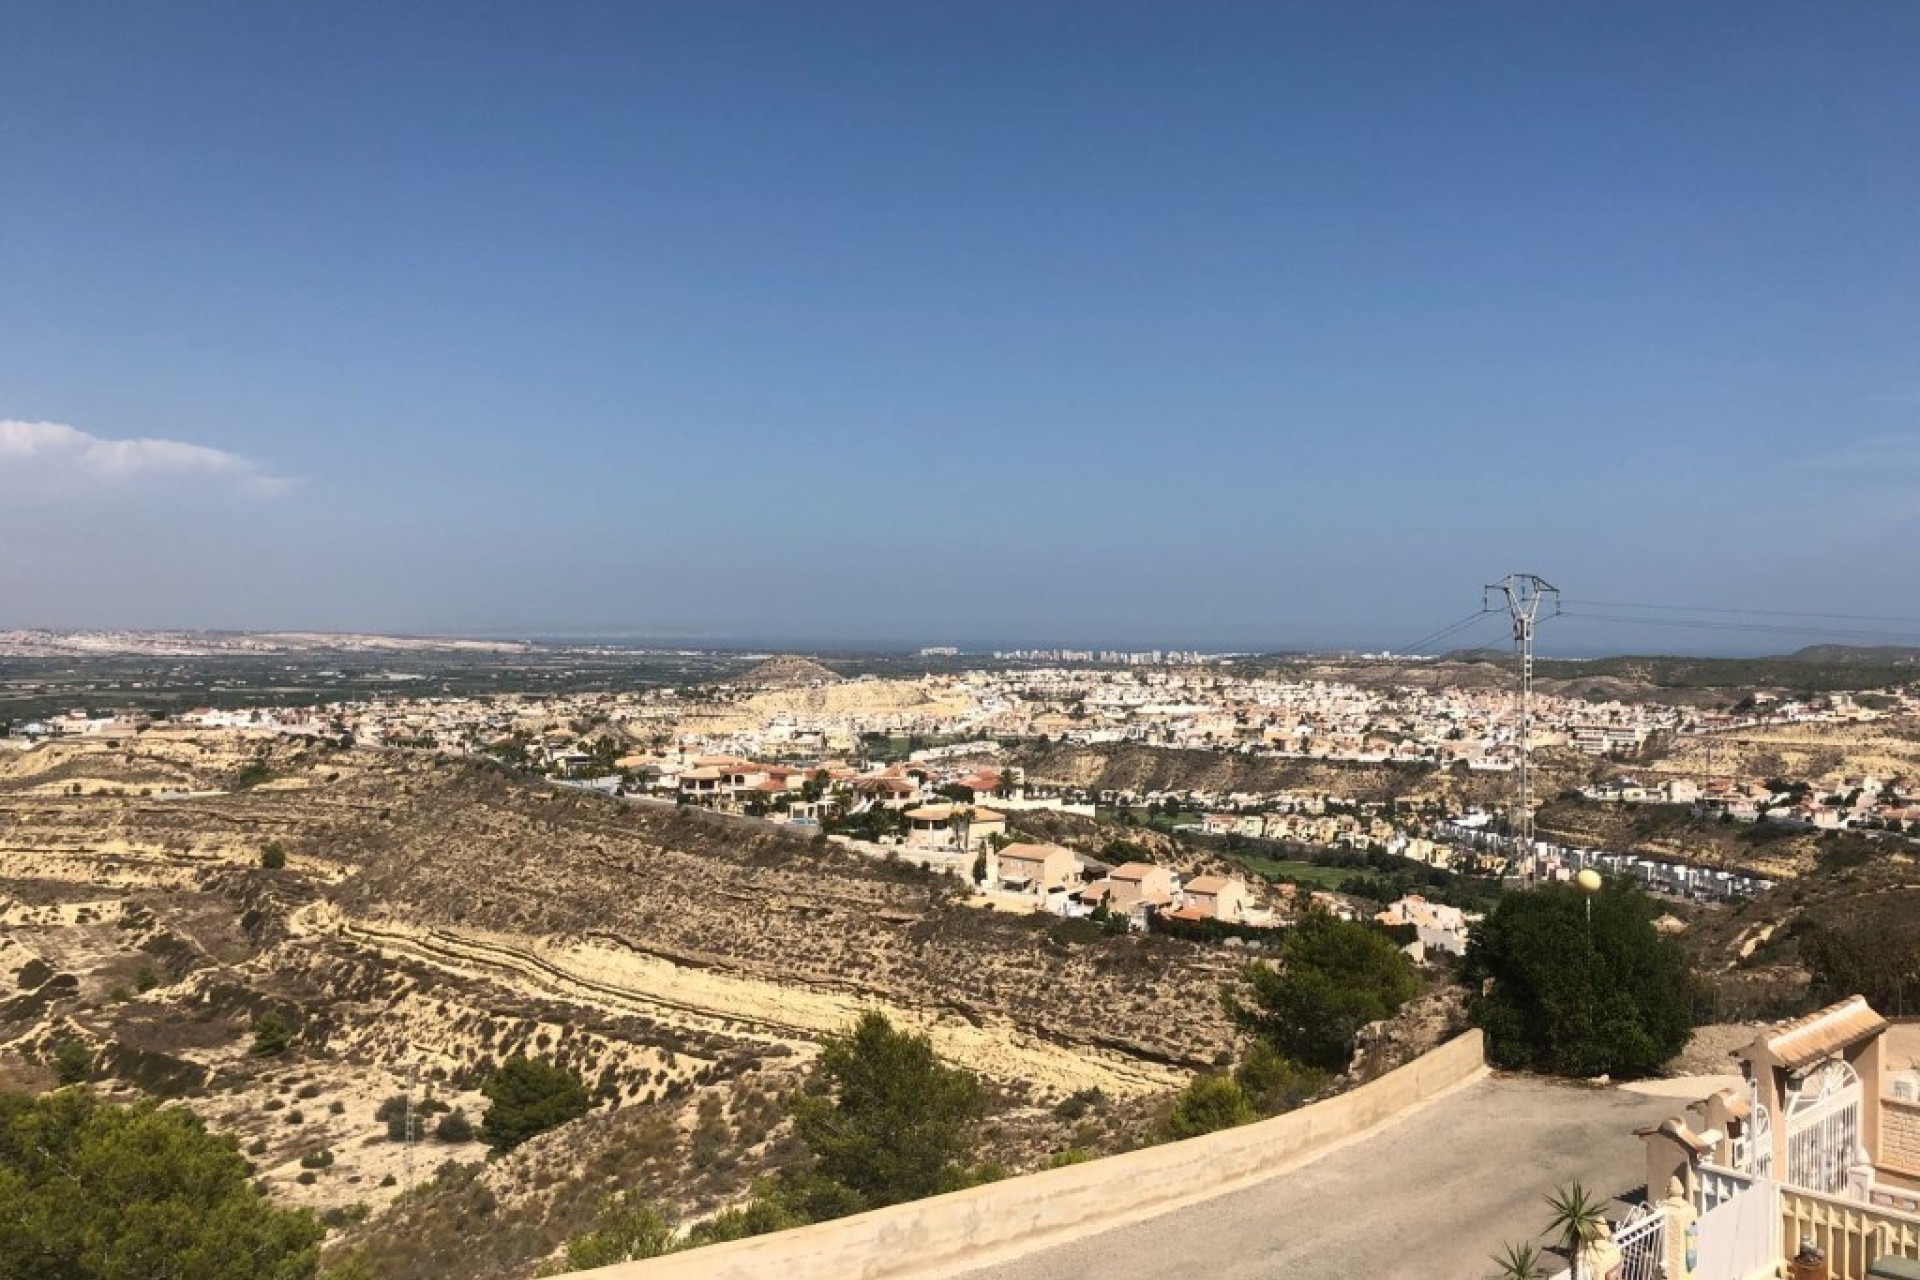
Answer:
[(849, 698), (1823, 754), (436, 916), (1126, 766)]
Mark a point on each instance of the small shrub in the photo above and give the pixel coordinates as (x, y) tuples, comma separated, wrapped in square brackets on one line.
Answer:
[(454, 1127), (72, 1063), (1208, 1104), (626, 1229), (272, 1034), (1077, 1104), (1275, 1083), (296, 1116), (307, 1178)]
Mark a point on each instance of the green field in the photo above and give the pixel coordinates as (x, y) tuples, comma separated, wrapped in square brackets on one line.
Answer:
[(1304, 872)]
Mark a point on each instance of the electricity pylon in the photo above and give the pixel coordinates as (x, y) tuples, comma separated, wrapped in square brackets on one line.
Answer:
[(1523, 593)]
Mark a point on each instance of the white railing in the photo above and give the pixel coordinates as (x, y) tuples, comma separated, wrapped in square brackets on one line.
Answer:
[(1849, 1235), (1642, 1241)]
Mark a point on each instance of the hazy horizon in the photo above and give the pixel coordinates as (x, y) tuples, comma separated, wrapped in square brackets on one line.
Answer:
[(1494, 637), (1130, 325)]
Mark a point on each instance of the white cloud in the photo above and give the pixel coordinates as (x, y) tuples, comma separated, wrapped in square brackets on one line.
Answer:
[(55, 449)]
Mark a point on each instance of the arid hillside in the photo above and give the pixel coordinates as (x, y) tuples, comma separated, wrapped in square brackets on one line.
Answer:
[(1128, 766), (1826, 755), (435, 916), (1773, 849), (906, 699)]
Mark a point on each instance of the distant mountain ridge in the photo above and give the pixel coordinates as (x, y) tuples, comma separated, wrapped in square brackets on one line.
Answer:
[(1880, 655), (789, 671)]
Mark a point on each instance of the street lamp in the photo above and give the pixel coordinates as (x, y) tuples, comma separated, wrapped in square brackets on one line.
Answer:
[(1588, 882)]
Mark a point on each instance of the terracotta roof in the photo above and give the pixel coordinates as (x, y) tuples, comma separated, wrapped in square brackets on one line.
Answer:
[(1819, 1035), (1021, 851), (1134, 871), (1208, 884)]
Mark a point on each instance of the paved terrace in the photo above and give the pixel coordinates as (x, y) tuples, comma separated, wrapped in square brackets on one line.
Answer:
[(1431, 1195)]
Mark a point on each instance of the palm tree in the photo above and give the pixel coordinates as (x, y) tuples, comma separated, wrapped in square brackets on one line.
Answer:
[(1518, 1262), (962, 819), (1577, 1219)]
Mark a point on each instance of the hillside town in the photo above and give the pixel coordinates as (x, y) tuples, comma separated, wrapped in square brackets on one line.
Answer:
[(921, 768)]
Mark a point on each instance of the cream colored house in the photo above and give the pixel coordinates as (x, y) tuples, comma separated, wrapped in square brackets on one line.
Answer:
[(953, 826), (1141, 883), (1219, 897), (1038, 869)]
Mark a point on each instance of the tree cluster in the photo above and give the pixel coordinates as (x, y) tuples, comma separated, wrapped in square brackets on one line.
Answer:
[(1333, 978), (1568, 993), (90, 1191), (527, 1097), (885, 1120)]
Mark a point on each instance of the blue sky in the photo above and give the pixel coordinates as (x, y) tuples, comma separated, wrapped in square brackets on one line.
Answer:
[(1249, 325)]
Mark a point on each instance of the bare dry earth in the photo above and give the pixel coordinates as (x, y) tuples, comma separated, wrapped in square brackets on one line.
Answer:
[(1127, 766), (931, 698), (1825, 754)]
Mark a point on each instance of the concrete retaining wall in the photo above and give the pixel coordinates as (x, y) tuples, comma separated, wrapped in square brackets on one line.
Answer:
[(969, 1228)]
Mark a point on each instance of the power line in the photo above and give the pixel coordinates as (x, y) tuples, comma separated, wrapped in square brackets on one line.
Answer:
[(1762, 613), (1452, 628), (1746, 628)]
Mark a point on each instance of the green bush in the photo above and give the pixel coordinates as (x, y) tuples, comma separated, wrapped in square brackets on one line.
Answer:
[(454, 1127), (393, 1113), (1207, 1104), (274, 856), (1559, 993), (758, 1217), (529, 1097), (887, 1119), (626, 1229), (272, 1034), (90, 1191), (1334, 977), (72, 1063), (1273, 1082), (1077, 1104), (251, 775)]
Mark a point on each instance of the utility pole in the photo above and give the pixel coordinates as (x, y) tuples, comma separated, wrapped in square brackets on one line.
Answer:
[(413, 1076), (1522, 593)]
